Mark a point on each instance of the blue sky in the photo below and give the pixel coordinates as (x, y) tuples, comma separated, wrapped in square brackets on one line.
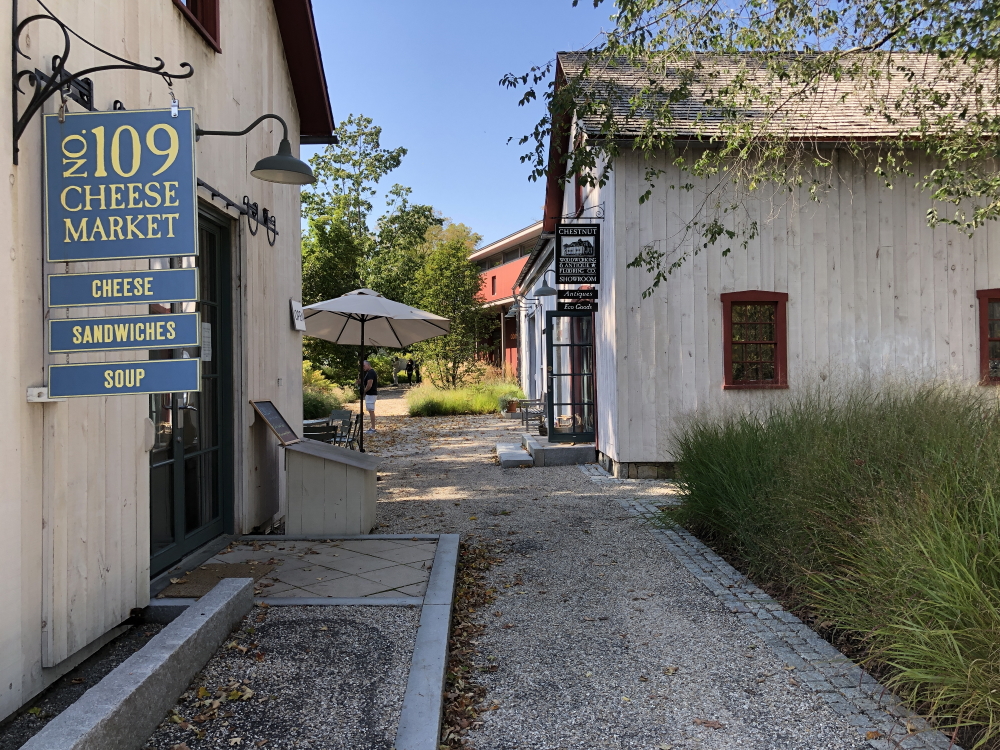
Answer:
[(427, 72)]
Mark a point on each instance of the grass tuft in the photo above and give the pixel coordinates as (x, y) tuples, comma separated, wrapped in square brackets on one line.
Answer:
[(876, 508), (428, 401)]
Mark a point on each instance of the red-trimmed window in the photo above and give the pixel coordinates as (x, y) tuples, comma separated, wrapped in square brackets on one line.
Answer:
[(204, 16), (755, 338), (989, 336)]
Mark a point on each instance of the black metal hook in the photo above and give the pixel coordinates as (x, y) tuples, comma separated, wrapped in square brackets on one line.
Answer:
[(44, 86), (253, 223)]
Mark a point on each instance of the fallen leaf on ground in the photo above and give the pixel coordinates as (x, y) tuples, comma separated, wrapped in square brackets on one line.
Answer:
[(178, 580), (670, 670), (710, 723), (873, 735), (236, 741)]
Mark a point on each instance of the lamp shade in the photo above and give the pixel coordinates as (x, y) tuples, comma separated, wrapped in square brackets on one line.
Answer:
[(283, 168), (545, 290)]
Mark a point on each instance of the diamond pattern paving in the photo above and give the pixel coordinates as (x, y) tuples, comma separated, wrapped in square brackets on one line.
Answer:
[(350, 568)]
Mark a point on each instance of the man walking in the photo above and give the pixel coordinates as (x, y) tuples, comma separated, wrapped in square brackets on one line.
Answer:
[(369, 390), (409, 372)]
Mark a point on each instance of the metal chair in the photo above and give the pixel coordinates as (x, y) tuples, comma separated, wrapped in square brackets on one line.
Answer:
[(324, 432), (353, 437), (341, 417)]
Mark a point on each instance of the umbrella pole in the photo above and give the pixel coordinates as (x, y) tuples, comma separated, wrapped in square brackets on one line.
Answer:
[(361, 387)]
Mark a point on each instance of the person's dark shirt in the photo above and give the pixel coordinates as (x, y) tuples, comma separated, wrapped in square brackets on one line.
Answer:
[(409, 366), (371, 376)]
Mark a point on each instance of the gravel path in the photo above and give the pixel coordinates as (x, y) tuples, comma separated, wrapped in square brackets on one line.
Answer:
[(300, 677), (602, 639)]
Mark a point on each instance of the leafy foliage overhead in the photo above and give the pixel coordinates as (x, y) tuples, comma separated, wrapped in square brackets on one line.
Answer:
[(762, 94)]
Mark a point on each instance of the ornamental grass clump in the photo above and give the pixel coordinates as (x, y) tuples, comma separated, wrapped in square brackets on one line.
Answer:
[(428, 401), (875, 508)]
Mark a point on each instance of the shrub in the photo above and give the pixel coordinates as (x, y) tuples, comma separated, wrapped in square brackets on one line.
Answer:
[(877, 509), (319, 395), (428, 401)]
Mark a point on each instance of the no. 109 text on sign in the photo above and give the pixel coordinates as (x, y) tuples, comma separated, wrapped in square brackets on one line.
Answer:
[(120, 185)]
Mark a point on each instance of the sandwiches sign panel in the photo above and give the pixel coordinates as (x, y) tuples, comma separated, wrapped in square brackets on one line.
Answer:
[(578, 254), (120, 185)]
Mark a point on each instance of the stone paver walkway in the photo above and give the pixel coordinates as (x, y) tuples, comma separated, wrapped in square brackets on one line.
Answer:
[(343, 569)]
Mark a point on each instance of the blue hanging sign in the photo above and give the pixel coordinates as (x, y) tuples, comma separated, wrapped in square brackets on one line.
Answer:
[(123, 287), (120, 185), (132, 332), (122, 378)]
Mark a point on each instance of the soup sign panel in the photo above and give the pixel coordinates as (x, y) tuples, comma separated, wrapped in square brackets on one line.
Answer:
[(120, 185)]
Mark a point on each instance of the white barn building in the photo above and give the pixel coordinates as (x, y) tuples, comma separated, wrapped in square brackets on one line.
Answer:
[(856, 284)]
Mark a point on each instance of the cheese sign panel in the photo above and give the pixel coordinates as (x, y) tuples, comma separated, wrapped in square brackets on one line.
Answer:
[(123, 378), (123, 287), (120, 185), (133, 332)]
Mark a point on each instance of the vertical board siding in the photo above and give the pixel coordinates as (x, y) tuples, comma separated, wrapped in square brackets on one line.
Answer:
[(873, 291), (76, 472)]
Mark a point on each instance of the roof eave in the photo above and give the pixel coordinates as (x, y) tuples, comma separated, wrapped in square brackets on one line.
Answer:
[(297, 27)]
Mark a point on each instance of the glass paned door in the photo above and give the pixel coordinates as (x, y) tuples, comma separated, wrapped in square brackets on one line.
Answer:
[(570, 371), (190, 473)]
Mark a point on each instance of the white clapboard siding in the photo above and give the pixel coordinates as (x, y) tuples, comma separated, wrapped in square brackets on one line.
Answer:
[(75, 473), (873, 291)]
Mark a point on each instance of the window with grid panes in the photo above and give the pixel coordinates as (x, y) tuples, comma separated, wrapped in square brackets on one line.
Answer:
[(753, 342), (989, 335), (754, 339)]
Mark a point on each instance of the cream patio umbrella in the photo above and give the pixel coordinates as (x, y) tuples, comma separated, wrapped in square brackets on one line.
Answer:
[(366, 318)]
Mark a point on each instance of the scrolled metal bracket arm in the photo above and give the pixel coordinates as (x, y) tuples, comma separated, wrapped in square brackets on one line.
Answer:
[(198, 132), (61, 80)]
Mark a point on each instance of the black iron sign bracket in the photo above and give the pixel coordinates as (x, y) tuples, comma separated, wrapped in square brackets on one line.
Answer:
[(76, 86)]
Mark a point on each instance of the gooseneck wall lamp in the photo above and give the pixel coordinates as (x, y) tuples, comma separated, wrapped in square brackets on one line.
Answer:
[(282, 167), (545, 290)]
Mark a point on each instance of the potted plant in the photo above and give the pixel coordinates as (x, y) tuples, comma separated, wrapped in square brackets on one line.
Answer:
[(509, 404)]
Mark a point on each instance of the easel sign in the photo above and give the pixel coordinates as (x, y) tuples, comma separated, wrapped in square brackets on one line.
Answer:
[(267, 411)]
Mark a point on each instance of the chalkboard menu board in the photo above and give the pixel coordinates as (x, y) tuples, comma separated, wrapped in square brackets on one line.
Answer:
[(270, 414), (578, 254)]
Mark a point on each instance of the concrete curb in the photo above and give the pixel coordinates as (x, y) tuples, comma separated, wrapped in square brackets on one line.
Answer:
[(335, 537), (359, 601), (123, 709), (420, 720)]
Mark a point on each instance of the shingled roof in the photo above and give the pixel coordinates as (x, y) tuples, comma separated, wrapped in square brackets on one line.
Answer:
[(829, 110)]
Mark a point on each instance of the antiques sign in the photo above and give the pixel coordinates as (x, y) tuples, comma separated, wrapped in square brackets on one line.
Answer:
[(578, 254), (568, 294), (120, 185)]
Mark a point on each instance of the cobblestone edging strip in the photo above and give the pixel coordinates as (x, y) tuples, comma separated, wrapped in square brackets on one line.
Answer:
[(846, 688), (123, 709), (420, 719)]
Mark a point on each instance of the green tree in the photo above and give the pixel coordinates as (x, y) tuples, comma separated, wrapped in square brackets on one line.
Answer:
[(923, 74), (449, 286), (400, 248), (348, 172), (331, 266)]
